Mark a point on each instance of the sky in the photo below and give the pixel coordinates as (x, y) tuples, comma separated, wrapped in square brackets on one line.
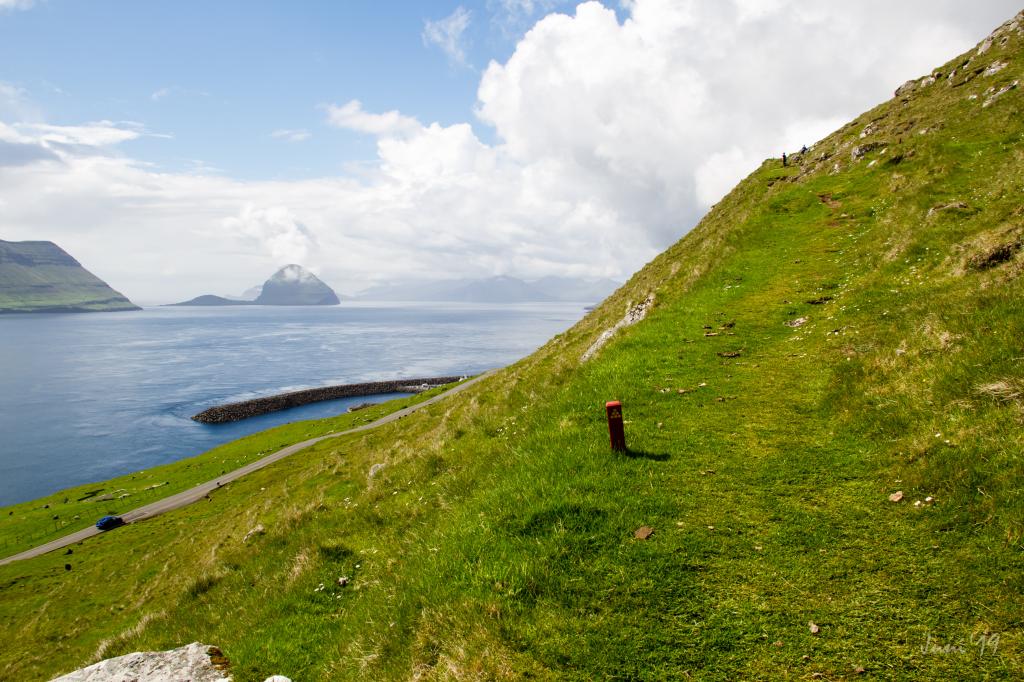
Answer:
[(190, 147)]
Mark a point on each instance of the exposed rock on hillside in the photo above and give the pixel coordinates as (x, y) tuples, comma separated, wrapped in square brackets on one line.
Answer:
[(634, 314)]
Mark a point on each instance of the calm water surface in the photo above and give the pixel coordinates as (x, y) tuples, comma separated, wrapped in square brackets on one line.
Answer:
[(91, 396)]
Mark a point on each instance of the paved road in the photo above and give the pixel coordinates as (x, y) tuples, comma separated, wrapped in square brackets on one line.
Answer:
[(197, 493)]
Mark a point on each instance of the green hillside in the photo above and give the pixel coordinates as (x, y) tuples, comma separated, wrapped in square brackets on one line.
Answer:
[(834, 332), (42, 277)]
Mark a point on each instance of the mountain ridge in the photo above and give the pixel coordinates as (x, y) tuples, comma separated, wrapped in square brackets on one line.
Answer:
[(41, 277)]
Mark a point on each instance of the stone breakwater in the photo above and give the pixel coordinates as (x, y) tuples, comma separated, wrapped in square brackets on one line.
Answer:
[(233, 412)]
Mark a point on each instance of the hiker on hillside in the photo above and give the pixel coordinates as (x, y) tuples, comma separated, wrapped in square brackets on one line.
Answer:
[(784, 158)]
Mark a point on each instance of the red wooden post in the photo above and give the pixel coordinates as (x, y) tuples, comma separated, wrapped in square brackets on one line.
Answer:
[(615, 429)]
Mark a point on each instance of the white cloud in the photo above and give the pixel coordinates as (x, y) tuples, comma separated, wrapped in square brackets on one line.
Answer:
[(160, 94), (98, 134), (16, 4), (447, 34), (352, 116), (718, 173), (512, 15), (274, 230), (613, 136), (291, 135)]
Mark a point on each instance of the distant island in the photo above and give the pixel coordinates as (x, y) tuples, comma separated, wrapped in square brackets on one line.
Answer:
[(41, 277), (291, 285), (210, 299), (294, 285)]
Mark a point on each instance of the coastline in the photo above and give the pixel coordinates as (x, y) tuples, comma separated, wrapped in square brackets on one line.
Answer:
[(233, 412)]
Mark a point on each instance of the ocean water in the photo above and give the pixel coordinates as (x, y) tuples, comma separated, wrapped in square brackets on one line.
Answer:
[(86, 397)]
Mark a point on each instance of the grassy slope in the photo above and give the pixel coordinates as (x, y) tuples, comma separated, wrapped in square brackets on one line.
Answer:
[(498, 542), (40, 277)]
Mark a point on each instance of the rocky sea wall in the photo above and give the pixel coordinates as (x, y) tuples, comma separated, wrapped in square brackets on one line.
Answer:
[(233, 412)]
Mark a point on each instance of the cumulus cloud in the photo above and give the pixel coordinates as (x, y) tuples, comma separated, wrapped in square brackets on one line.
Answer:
[(613, 134), (275, 230), (447, 34)]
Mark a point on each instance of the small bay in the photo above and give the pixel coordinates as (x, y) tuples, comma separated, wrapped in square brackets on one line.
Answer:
[(85, 397)]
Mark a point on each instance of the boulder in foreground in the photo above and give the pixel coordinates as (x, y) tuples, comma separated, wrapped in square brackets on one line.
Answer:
[(193, 663)]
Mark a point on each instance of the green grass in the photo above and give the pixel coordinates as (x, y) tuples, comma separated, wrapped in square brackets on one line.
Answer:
[(41, 277), (498, 541), (33, 523)]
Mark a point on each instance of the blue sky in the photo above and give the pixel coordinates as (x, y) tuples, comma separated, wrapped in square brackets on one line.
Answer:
[(221, 77), (182, 148)]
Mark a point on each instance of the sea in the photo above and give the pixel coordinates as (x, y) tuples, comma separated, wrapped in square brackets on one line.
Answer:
[(86, 397)]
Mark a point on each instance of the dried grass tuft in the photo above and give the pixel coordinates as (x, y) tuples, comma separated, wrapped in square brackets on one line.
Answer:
[(1003, 391)]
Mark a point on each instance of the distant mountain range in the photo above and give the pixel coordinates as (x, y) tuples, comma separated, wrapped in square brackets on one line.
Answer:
[(40, 277), (291, 285), (495, 290)]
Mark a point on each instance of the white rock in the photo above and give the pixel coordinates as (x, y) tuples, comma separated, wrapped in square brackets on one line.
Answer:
[(257, 530), (188, 664), (906, 88), (995, 68), (277, 678), (999, 93), (634, 314)]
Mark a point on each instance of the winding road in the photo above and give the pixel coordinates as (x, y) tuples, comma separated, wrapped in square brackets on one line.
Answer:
[(187, 497)]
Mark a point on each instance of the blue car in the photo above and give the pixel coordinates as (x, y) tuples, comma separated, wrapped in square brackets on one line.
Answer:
[(109, 522)]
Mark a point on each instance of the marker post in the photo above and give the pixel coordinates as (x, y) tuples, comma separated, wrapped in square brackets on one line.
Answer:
[(615, 428)]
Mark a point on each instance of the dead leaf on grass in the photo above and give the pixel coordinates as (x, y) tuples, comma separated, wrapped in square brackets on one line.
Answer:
[(896, 496), (813, 627), (643, 532)]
